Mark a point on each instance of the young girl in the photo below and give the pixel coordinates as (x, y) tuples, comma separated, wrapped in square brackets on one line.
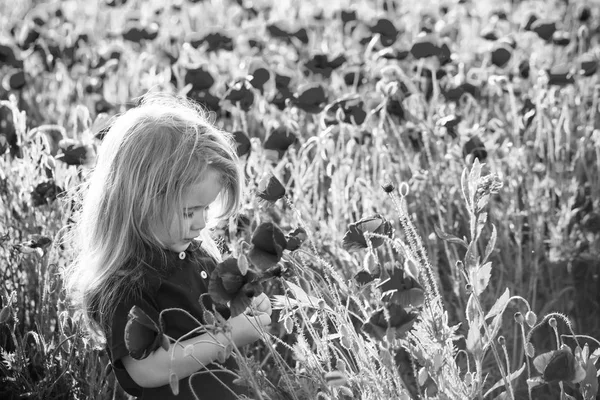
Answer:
[(140, 239)]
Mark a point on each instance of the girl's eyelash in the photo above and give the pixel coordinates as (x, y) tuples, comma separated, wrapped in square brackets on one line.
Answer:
[(191, 214)]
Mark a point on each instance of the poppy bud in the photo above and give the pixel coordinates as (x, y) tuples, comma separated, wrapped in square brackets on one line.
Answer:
[(388, 187), (519, 318), (552, 323), (530, 318)]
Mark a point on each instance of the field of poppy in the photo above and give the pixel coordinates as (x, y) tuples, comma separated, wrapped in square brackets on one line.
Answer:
[(423, 188)]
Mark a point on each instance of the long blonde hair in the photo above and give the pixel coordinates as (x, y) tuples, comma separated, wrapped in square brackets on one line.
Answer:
[(148, 157)]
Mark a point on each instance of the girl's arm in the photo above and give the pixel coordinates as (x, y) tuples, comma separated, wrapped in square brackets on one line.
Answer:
[(154, 370)]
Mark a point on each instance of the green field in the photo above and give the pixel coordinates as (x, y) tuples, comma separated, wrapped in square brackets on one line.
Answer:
[(468, 130)]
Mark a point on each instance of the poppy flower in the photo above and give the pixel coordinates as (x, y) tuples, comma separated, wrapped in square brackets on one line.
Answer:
[(454, 93), (544, 28), (489, 34), (45, 192), (150, 32), (255, 44), (14, 80), (559, 365), (524, 69), (561, 38), (584, 14), (402, 289), (587, 65), (351, 109), (354, 238), (268, 244), (280, 139), (133, 33), (260, 76), (234, 286), (387, 31), (270, 189), (400, 320), (215, 41), (301, 35), (530, 21), (450, 122), (241, 94), (560, 75), (425, 46), (75, 152), (445, 55), (475, 147), (394, 107), (354, 76), (281, 98), (347, 16), (243, 143), (28, 35), (320, 64), (199, 78), (501, 54), (278, 32), (295, 239), (310, 98), (205, 98), (8, 57), (142, 334), (115, 3)]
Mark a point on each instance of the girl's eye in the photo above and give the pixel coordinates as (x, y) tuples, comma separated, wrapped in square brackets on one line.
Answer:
[(191, 213)]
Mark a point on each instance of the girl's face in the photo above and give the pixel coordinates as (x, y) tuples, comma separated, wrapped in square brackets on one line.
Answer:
[(196, 200)]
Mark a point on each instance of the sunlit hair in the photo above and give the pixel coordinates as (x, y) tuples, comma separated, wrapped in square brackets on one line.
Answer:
[(150, 155)]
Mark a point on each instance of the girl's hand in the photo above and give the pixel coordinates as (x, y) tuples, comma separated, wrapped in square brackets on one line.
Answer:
[(260, 304), (246, 328)]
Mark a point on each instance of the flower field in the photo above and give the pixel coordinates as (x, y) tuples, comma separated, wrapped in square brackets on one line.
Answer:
[(422, 194)]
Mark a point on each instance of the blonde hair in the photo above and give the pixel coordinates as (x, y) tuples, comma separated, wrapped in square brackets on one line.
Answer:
[(148, 157)]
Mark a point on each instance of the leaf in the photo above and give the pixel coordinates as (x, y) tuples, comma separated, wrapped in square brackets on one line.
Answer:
[(449, 237), (495, 326), (474, 344), (590, 383), (481, 278), (499, 305), (473, 181), (174, 383), (511, 377)]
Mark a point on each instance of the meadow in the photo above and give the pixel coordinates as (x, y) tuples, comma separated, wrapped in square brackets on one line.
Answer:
[(423, 186)]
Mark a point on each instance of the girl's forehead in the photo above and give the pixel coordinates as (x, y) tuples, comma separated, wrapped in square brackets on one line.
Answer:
[(203, 191)]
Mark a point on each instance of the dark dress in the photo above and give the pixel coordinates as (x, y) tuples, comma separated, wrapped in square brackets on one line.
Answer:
[(178, 284)]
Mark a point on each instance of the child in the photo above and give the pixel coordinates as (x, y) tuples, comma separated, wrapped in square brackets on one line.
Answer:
[(159, 169)]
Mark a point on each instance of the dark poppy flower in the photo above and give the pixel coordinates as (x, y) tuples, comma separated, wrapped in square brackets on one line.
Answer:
[(394, 107), (150, 32), (310, 98), (355, 239), (454, 93), (260, 76), (401, 288), (102, 106), (445, 55), (544, 28), (270, 189), (115, 3), (364, 277), (243, 223), (205, 98), (347, 16), (350, 108), (450, 122), (8, 57), (588, 65), (295, 239), (28, 35), (243, 143), (37, 244), (14, 80), (301, 35), (501, 54), (425, 46), (241, 94), (255, 44), (280, 139), (214, 41), (227, 281), (560, 75), (584, 14), (142, 334), (490, 34), (387, 31), (320, 64), (199, 78), (354, 76), (75, 152), (559, 365), (281, 97), (475, 147), (282, 81), (561, 38), (400, 320), (133, 33), (277, 32), (268, 244), (45, 193), (524, 69), (530, 21)]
